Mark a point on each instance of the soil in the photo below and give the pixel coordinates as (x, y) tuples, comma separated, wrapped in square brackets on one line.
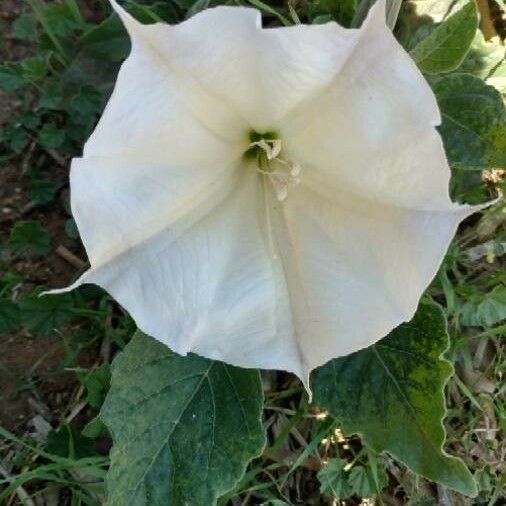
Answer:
[(29, 385)]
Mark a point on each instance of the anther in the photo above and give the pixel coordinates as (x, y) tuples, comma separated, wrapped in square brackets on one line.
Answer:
[(281, 173)]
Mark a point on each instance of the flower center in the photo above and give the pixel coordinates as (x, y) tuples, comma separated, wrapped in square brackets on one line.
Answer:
[(267, 151)]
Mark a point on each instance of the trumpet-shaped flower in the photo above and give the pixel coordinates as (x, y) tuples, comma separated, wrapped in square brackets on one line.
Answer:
[(271, 198)]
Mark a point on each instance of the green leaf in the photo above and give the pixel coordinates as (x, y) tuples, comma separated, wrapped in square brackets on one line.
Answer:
[(42, 315), (446, 46), (97, 384), (392, 395), (473, 122), (95, 429), (42, 191), (10, 76), (34, 68), (184, 428), (29, 237), (362, 482), (71, 228), (65, 442), (334, 479), (341, 11), (25, 28), (15, 137), (487, 311), (108, 40), (9, 315), (50, 136), (60, 19)]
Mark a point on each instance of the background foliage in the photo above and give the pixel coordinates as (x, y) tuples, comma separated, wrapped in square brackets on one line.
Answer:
[(186, 431)]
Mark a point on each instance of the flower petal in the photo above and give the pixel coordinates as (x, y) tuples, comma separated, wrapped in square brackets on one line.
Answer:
[(162, 150), (156, 113), (208, 287), (259, 73), (120, 203), (354, 270), (372, 131)]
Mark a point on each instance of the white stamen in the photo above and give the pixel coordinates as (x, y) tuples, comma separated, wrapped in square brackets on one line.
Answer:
[(288, 170), (272, 148)]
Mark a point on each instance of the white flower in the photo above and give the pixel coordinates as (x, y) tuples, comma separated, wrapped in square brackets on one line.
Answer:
[(272, 198)]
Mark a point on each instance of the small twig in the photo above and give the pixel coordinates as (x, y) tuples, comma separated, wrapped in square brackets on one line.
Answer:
[(25, 165), (75, 411), (30, 206), (68, 256), (246, 499), (486, 23), (56, 157)]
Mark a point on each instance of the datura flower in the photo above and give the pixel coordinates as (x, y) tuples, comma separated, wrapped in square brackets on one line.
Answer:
[(268, 197)]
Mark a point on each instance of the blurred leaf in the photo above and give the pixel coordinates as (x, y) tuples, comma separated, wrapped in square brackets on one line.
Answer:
[(95, 428), (334, 479), (487, 310), (108, 40), (25, 28), (474, 121), (60, 20), (14, 137), (9, 315), (97, 383), (86, 103), (51, 136), (29, 237), (52, 93), (34, 68), (447, 45), (71, 228), (337, 10), (362, 482), (42, 190), (42, 315), (29, 119), (183, 428), (65, 442), (392, 395), (10, 76)]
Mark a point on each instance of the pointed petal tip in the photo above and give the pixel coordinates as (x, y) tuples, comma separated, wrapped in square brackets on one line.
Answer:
[(469, 209), (76, 284), (127, 19)]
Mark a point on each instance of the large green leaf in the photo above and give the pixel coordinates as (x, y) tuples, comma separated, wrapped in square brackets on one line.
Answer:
[(392, 394), (445, 47), (183, 428), (473, 121)]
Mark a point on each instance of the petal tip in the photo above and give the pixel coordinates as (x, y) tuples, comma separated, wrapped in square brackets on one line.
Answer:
[(129, 22)]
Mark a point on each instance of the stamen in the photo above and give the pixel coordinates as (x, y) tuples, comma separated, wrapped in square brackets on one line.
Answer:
[(281, 173)]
